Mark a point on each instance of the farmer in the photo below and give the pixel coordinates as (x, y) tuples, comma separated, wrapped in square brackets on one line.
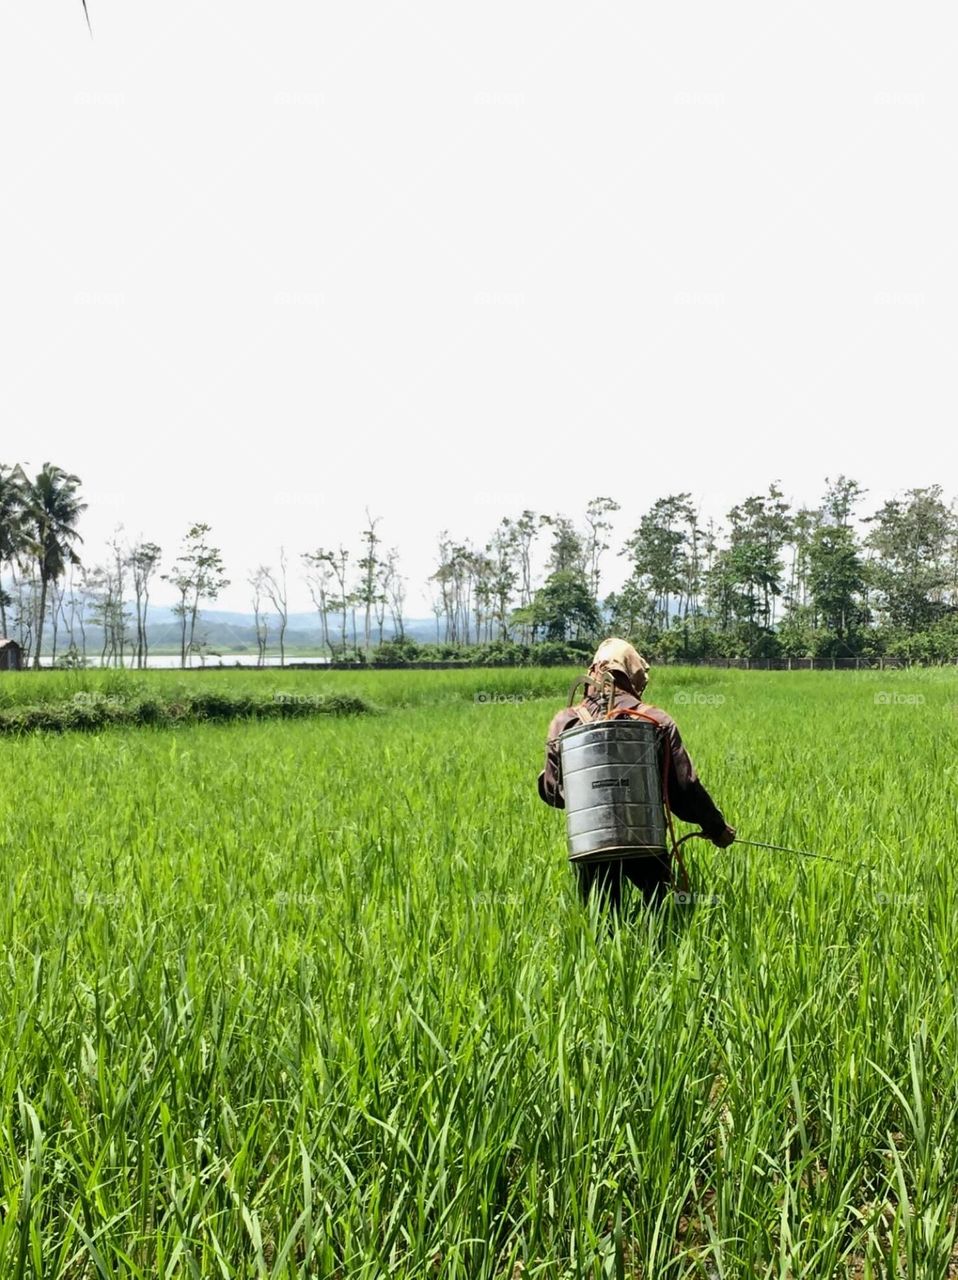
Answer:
[(688, 799)]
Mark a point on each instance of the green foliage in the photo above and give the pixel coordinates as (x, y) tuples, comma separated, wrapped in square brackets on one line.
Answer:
[(748, 574), (72, 660), (395, 653), (101, 710), (913, 539), (197, 574), (663, 555), (836, 580), (564, 608), (317, 998)]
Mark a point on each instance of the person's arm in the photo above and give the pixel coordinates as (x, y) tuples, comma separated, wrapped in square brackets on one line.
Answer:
[(550, 779), (688, 798)]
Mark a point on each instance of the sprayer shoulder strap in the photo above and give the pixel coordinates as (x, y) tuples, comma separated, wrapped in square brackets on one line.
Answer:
[(586, 716), (635, 714)]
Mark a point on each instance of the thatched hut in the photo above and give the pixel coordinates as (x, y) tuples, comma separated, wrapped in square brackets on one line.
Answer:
[(11, 655)]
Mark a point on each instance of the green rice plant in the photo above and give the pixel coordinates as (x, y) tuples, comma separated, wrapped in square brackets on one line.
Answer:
[(314, 995)]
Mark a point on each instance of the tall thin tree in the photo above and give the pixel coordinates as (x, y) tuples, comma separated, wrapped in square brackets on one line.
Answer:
[(52, 510), (13, 485)]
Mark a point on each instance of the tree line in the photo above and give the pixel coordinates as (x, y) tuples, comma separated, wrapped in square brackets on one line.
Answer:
[(769, 581)]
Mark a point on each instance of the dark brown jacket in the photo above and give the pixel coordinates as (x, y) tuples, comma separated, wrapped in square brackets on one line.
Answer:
[(688, 799)]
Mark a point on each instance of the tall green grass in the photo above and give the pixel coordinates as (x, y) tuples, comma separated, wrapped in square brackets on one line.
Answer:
[(393, 688), (316, 997)]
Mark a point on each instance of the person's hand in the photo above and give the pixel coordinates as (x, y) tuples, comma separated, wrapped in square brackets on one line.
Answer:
[(724, 837)]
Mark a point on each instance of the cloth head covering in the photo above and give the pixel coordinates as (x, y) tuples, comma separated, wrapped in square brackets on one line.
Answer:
[(618, 655)]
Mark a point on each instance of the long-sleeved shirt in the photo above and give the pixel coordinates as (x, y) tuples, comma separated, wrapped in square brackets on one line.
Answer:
[(688, 799)]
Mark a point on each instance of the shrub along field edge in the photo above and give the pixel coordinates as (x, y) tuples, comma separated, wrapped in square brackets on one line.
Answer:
[(102, 711)]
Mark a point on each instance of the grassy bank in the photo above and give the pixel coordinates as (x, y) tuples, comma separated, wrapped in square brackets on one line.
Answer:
[(89, 711)]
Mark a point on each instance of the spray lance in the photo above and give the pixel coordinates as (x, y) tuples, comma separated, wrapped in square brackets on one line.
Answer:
[(853, 867)]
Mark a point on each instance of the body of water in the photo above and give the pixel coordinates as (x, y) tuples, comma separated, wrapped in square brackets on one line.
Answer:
[(171, 661)]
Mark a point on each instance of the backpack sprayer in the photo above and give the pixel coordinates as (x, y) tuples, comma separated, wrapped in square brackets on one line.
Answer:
[(615, 782), (615, 772)]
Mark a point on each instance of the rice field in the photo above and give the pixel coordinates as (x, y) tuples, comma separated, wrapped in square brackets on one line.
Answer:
[(315, 997)]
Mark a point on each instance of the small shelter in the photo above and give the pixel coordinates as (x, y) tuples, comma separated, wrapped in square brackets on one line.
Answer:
[(11, 655)]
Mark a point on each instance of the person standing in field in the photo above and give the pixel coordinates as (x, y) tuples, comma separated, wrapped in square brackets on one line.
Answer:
[(688, 798)]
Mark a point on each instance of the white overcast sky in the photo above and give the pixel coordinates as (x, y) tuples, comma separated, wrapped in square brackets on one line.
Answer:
[(268, 264)]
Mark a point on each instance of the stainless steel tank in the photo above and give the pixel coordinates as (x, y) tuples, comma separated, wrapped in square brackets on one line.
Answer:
[(612, 784)]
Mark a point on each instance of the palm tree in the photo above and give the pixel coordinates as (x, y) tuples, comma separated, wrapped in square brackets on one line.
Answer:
[(12, 498), (53, 508)]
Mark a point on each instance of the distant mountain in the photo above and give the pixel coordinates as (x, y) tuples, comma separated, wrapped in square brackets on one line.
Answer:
[(161, 614), (225, 631)]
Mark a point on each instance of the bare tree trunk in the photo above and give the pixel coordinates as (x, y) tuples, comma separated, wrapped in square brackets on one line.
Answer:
[(138, 650), (56, 598), (40, 613), (144, 643), (276, 590), (194, 612)]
